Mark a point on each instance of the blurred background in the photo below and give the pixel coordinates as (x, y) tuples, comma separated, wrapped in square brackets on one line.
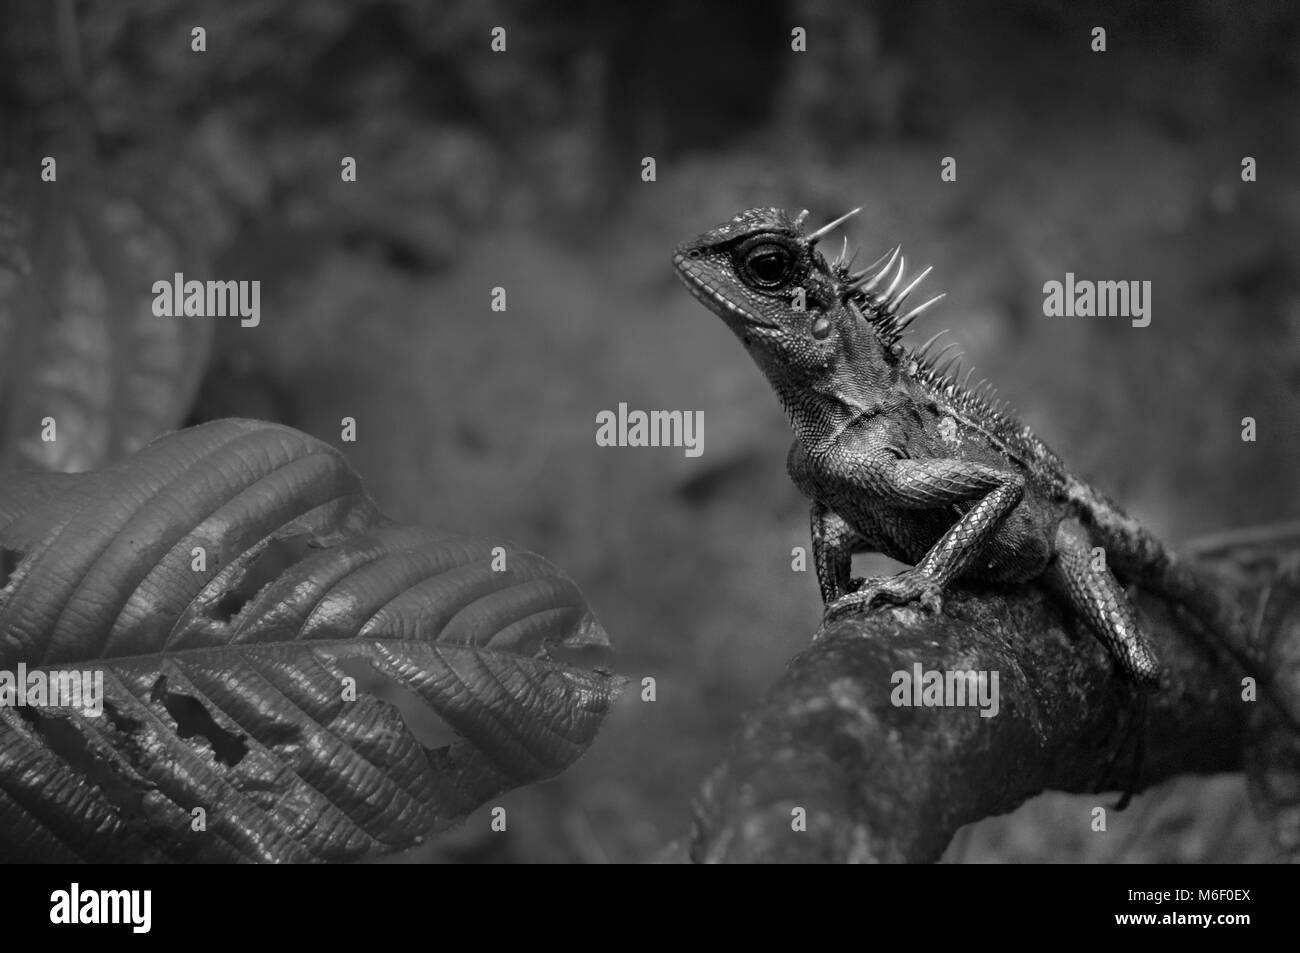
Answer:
[(522, 170)]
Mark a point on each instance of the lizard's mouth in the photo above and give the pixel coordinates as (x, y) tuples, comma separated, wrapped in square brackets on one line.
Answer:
[(704, 291)]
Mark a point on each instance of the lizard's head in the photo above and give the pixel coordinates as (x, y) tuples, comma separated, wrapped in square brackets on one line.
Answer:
[(801, 317), (762, 275)]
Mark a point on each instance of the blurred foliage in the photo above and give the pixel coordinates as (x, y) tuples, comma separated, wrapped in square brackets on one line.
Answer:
[(88, 373), (522, 170)]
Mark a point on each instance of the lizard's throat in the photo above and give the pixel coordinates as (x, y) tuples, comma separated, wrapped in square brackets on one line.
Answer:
[(813, 414)]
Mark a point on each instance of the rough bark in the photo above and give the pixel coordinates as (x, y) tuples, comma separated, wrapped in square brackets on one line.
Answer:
[(881, 782)]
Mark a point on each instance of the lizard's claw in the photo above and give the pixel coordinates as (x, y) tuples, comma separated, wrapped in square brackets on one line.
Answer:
[(908, 586)]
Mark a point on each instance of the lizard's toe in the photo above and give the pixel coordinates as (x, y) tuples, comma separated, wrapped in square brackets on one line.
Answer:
[(911, 586), (930, 596), (844, 605), (907, 587)]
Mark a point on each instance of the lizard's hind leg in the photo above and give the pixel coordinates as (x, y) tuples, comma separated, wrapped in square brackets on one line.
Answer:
[(1096, 595)]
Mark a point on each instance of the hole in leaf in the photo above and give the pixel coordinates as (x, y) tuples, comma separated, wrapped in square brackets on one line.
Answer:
[(428, 727), (9, 560), (267, 566), (121, 720), (193, 718), (62, 737), (579, 656)]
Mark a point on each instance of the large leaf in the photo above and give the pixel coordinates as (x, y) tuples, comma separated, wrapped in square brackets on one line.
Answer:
[(79, 342), (226, 687)]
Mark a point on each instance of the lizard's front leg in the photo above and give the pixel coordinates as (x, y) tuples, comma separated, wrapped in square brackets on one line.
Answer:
[(834, 542), (929, 484)]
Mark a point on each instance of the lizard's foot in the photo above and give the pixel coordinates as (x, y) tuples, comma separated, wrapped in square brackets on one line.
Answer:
[(908, 586)]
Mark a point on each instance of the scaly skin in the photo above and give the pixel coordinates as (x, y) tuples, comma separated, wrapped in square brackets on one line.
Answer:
[(899, 458)]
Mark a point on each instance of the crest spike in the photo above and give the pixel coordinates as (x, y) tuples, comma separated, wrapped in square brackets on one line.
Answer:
[(879, 261), (870, 285), (829, 227), (954, 360), (899, 298), (842, 260), (916, 312), (935, 363), (921, 351), (902, 264)]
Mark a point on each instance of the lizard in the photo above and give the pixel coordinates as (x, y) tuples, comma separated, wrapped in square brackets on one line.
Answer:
[(898, 456)]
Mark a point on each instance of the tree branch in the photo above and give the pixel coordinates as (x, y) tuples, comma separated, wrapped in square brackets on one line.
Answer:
[(881, 782)]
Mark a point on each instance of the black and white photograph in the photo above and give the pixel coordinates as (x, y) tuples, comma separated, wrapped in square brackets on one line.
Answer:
[(787, 432)]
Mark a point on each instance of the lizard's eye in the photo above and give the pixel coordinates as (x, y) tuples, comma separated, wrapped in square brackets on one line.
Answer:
[(768, 264)]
